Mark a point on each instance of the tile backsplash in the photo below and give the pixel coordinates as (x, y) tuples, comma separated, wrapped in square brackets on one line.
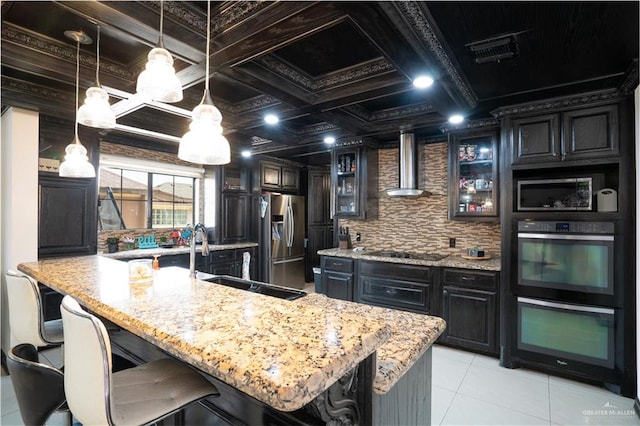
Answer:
[(420, 224)]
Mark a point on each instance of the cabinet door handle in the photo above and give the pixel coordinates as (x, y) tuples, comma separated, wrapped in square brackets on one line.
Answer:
[(445, 292)]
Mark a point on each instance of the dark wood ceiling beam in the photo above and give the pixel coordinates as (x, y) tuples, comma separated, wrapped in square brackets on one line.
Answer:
[(301, 21), (374, 23), (141, 22)]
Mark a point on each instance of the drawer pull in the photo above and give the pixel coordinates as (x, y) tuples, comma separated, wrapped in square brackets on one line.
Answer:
[(391, 291), (468, 278)]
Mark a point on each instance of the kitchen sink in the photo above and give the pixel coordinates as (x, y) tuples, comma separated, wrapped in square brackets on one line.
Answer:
[(256, 287)]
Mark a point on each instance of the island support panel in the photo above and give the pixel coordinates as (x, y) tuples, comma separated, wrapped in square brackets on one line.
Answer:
[(346, 402), (409, 401)]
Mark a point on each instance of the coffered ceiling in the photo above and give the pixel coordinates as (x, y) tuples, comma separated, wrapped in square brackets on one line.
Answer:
[(325, 68)]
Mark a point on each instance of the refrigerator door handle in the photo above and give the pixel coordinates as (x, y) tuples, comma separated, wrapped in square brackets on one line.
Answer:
[(296, 259), (290, 226)]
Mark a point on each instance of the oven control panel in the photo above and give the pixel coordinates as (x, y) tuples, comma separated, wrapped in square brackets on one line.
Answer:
[(566, 227)]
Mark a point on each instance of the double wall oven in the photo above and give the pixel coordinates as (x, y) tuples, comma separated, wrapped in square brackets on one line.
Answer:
[(566, 297)]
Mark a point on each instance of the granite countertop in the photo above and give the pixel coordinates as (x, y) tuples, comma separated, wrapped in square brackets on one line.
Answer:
[(411, 335), (283, 353), (451, 261), (137, 253)]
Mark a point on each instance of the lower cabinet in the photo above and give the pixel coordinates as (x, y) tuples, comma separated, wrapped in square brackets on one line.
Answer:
[(397, 286), (470, 307), (229, 262), (337, 278), (467, 299)]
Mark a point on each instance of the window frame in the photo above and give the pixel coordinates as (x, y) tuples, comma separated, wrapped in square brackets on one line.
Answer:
[(156, 168)]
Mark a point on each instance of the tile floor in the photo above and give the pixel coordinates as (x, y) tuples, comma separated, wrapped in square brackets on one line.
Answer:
[(468, 389)]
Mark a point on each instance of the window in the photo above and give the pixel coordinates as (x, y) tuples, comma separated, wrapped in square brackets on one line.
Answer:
[(145, 198)]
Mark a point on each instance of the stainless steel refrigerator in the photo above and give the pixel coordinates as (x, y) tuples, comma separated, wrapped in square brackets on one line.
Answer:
[(283, 229)]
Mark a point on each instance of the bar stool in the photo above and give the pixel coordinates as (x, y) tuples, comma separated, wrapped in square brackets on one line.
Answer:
[(26, 317), (140, 395), (39, 388)]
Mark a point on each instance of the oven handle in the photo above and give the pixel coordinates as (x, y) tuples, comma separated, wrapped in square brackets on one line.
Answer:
[(565, 306), (566, 237)]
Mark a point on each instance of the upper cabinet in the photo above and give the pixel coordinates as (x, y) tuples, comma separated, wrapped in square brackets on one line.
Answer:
[(354, 177), (571, 135), (277, 177), (473, 175)]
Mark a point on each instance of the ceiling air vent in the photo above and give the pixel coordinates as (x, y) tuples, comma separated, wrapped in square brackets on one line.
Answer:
[(494, 49)]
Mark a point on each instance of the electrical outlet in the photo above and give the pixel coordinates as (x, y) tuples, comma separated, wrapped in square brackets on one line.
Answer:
[(358, 237), (452, 242)]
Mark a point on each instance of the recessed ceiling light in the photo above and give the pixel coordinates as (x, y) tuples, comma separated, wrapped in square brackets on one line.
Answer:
[(456, 119), (422, 81), (271, 119), (246, 153), (329, 140)]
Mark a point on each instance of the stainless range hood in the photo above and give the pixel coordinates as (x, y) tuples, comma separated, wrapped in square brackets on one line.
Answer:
[(408, 169)]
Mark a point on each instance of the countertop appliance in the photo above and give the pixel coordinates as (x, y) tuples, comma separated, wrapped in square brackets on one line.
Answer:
[(283, 240)]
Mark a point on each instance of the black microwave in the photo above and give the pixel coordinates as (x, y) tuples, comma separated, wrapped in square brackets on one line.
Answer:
[(555, 194)]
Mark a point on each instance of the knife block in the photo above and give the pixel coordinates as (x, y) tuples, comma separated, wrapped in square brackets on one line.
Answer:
[(344, 244)]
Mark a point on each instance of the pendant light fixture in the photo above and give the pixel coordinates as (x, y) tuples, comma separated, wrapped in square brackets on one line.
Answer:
[(158, 81), (96, 111), (76, 163), (204, 142)]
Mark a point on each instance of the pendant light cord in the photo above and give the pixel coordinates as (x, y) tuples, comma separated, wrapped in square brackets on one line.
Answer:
[(77, 84), (160, 42), (206, 82), (98, 59)]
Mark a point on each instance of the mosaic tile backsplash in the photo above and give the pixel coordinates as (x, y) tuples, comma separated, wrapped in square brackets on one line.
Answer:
[(420, 224)]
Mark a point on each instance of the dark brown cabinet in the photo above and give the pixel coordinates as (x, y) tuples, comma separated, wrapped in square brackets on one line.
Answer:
[(238, 205), (319, 221), (352, 169), (67, 216), (473, 176), (390, 285), (279, 177), (235, 214), (337, 278), (590, 132), (229, 262), (571, 135), (67, 207), (470, 307)]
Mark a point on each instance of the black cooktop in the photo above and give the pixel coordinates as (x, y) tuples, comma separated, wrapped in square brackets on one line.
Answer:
[(406, 255)]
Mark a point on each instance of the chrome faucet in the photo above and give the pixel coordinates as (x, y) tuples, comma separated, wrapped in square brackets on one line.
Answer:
[(192, 253)]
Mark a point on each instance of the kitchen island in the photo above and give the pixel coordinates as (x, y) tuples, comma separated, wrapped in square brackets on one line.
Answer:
[(310, 360)]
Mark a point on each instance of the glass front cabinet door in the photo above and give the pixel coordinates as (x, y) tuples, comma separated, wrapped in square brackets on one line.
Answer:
[(346, 169), (473, 175)]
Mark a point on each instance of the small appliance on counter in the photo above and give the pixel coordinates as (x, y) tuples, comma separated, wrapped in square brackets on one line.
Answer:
[(476, 253)]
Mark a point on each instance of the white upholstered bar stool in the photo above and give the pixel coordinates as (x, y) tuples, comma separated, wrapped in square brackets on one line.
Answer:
[(26, 316), (136, 396)]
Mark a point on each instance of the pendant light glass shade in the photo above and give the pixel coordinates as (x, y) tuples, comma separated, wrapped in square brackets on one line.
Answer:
[(96, 111), (158, 81), (76, 163), (204, 142)]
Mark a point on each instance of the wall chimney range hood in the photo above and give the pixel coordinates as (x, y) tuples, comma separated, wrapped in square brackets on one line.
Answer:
[(408, 169)]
